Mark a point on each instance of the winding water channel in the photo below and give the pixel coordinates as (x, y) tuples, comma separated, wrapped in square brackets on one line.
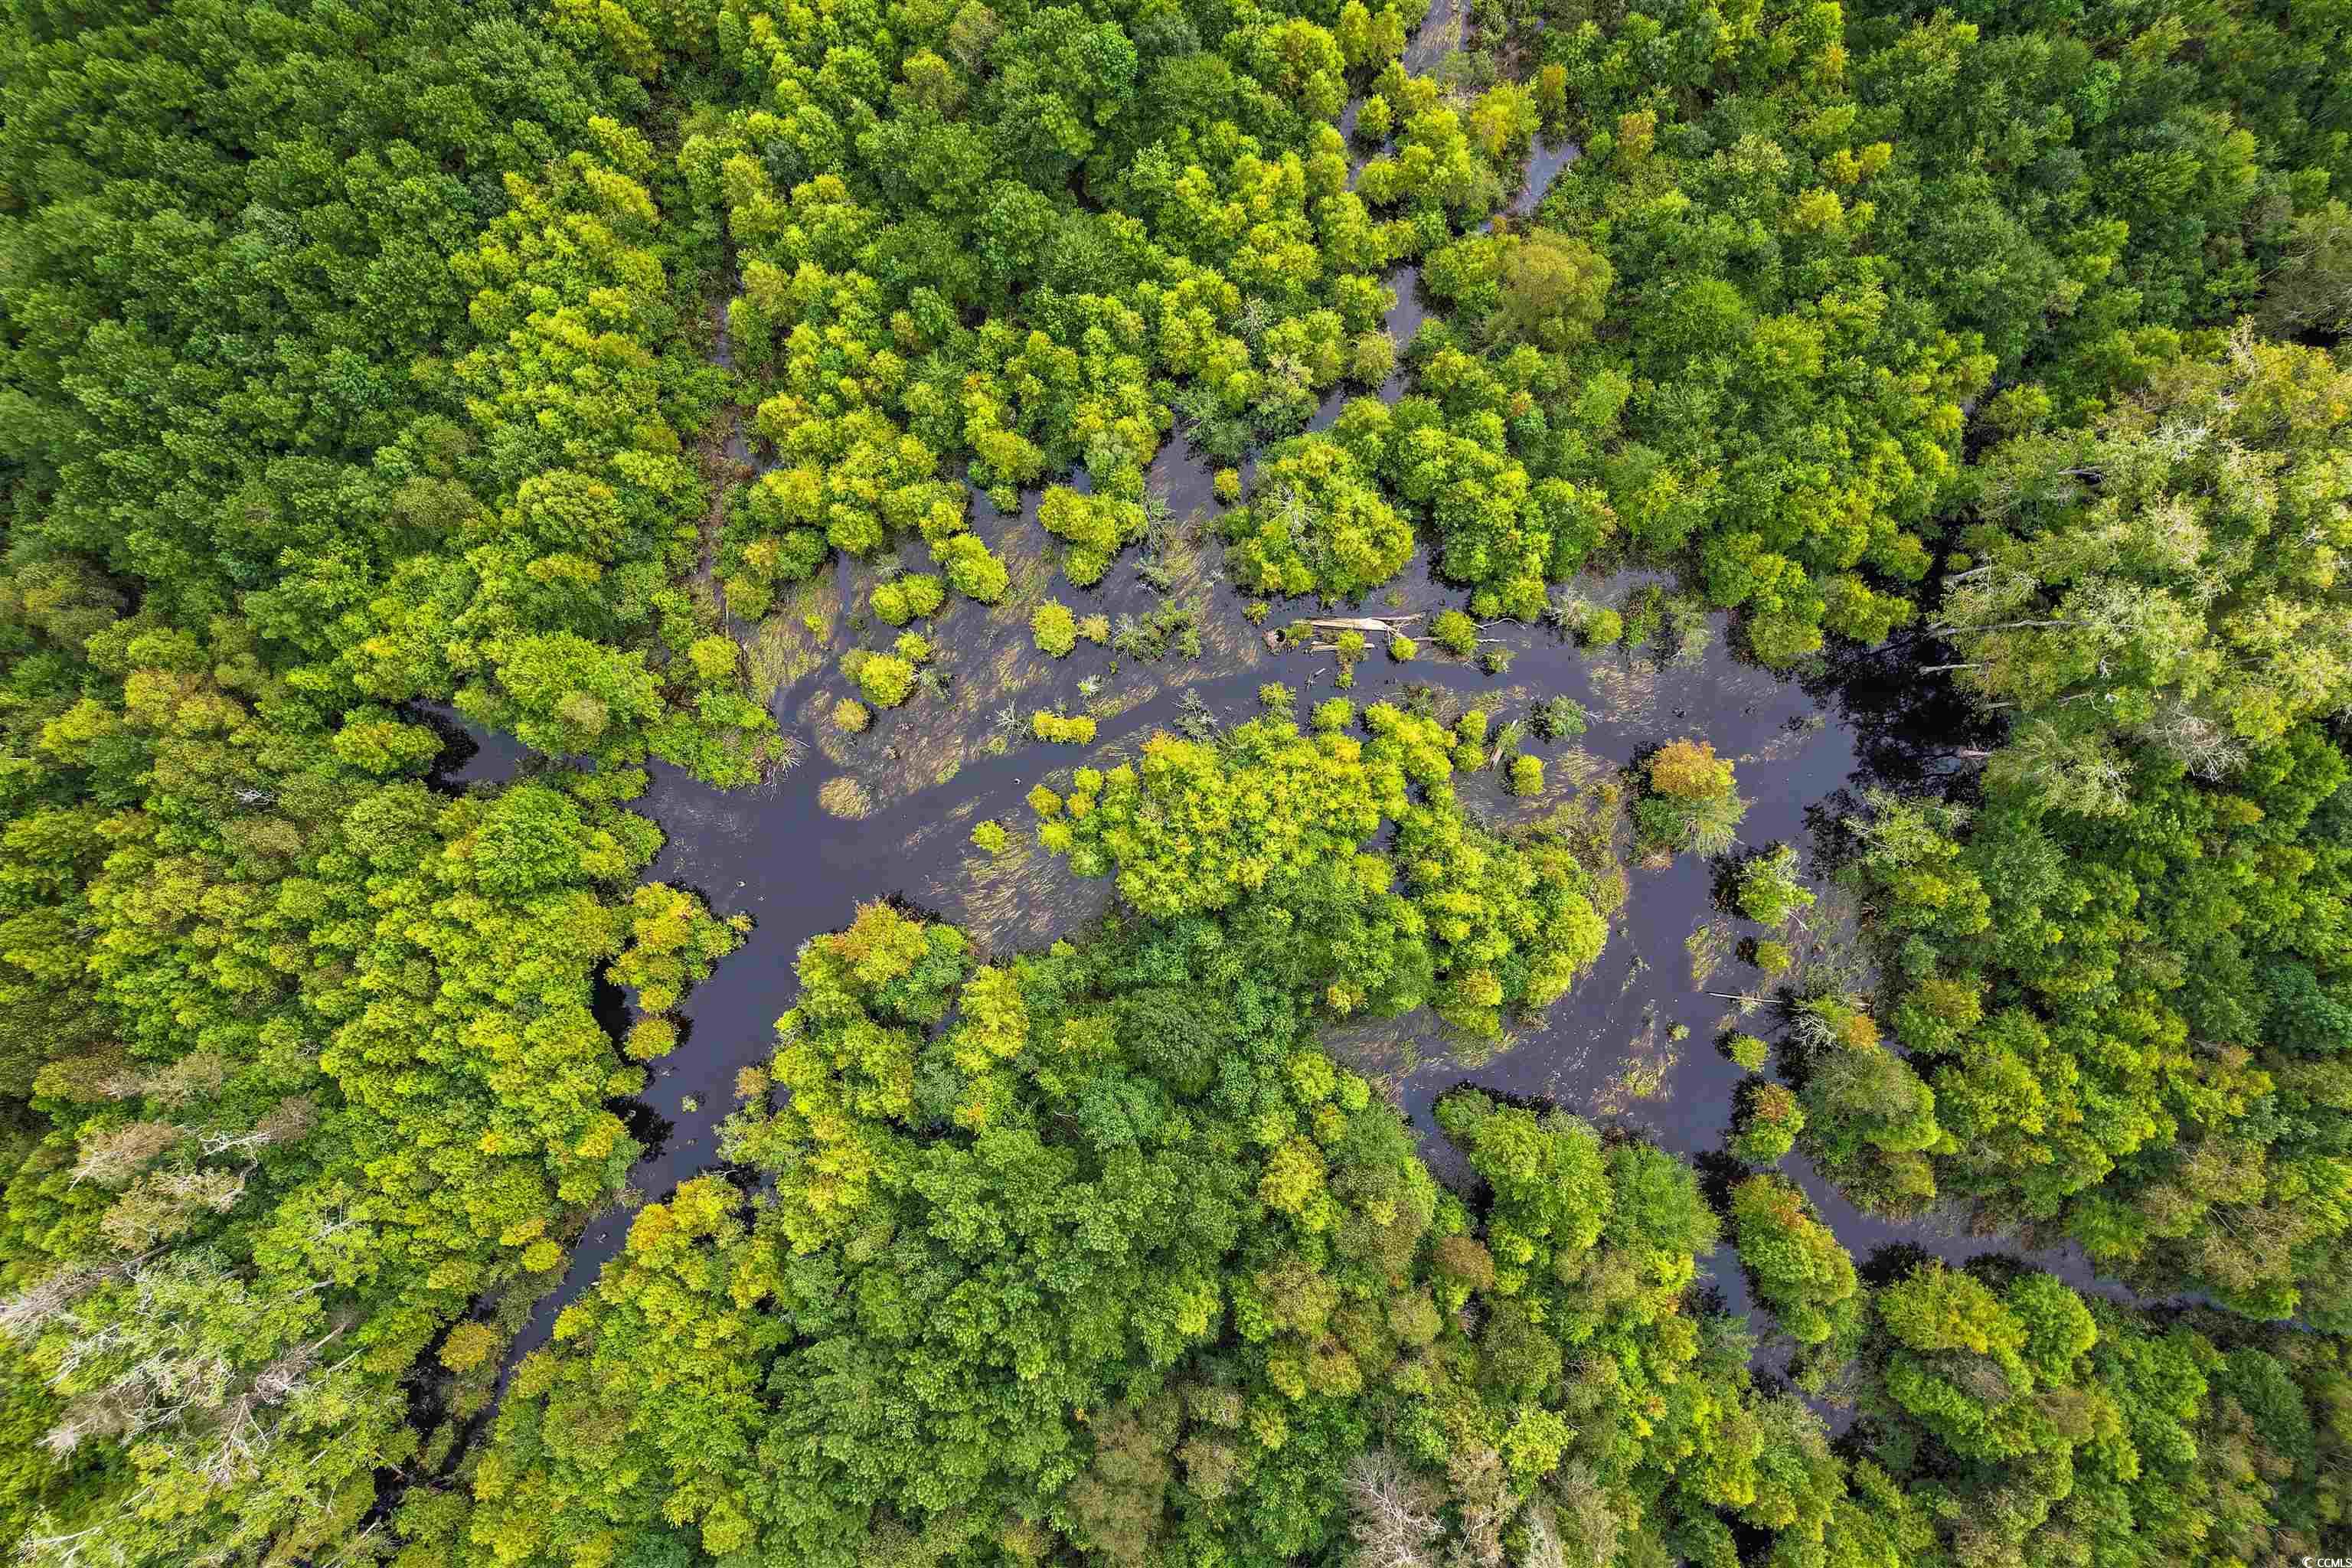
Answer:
[(1608, 1050)]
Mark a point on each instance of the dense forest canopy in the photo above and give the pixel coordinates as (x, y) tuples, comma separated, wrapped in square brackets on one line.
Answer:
[(682, 388)]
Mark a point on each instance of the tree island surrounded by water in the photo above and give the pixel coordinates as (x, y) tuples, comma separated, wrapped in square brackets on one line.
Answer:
[(1170, 785)]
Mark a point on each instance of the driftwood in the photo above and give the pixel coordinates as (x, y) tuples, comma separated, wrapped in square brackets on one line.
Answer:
[(1392, 625)]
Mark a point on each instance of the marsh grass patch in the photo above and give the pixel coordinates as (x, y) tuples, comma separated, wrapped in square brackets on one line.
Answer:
[(1710, 944), (786, 648), (845, 797), (1644, 1068), (1022, 900)]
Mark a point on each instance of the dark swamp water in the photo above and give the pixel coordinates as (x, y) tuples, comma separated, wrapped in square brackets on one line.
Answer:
[(790, 857), (1606, 1051)]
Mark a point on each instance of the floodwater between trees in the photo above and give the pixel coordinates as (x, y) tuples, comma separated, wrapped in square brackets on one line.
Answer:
[(1608, 1052), (887, 814)]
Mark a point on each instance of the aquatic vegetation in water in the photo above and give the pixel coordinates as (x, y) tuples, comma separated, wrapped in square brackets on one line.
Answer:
[(1689, 800), (1556, 718), (910, 597), (1709, 944), (1765, 889), (845, 797), (1055, 628), (1062, 729)]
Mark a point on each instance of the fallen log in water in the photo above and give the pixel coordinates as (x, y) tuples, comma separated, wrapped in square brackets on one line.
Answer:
[(1390, 626)]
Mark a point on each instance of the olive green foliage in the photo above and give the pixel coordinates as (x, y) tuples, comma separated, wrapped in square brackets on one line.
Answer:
[(2016, 1415), (2167, 574), (1533, 286), (1765, 1121), (368, 355), (1766, 889), (1233, 1313), (1816, 235), (2178, 964), (1028, 243), (1441, 913), (1688, 800), (1351, 646), (375, 1104), (2311, 293), (1094, 526), (400, 399), (1454, 632), (971, 569), (1315, 523), (1795, 1265), (566, 548), (908, 597), (1557, 719), (1078, 730), (672, 943), (887, 679), (1444, 453), (334, 378), (1055, 628), (2121, 976), (1870, 1118), (1469, 740), (1587, 1241)]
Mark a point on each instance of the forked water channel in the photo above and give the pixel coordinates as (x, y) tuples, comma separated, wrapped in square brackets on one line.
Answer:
[(1609, 1050)]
